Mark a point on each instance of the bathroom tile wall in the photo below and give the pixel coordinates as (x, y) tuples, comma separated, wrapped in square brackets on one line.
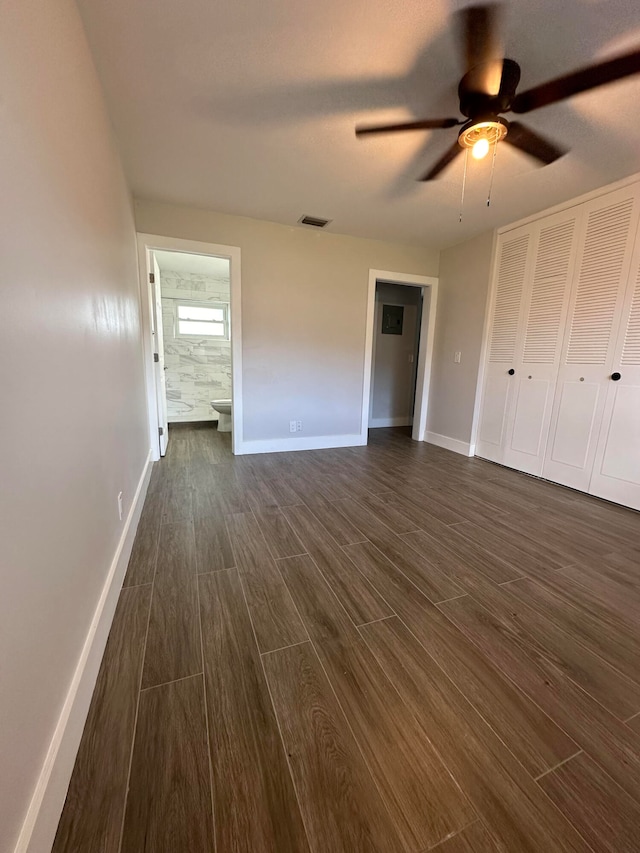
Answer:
[(198, 369)]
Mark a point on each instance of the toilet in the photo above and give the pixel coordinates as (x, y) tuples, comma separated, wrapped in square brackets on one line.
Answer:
[(223, 408)]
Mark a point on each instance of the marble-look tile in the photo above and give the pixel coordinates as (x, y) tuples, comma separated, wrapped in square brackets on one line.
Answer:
[(198, 369), (172, 293)]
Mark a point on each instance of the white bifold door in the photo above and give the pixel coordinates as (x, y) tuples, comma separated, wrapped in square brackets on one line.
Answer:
[(588, 354), (511, 274), (562, 379), (616, 469), (535, 265)]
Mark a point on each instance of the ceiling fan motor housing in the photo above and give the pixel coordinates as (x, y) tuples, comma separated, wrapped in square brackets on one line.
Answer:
[(475, 104)]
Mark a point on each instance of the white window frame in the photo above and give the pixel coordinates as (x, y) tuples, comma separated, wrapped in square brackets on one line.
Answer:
[(192, 303)]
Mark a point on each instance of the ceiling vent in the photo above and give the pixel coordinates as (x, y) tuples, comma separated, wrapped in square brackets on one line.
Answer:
[(314, 221)]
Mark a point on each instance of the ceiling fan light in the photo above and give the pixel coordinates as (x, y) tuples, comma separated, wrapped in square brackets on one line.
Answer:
[(480, 148), (480, 135)]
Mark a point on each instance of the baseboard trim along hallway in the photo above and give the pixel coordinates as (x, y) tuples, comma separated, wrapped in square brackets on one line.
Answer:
[(39, 828), (463, 447), (316, 442)]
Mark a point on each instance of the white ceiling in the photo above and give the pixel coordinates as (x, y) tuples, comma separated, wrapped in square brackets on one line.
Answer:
[(249, 107), (189, 263)]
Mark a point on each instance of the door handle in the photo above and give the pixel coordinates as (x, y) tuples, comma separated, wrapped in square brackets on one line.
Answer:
[(511, 371), (616, 376)]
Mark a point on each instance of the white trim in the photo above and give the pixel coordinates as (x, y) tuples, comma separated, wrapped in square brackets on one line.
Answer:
[(463, 447), (425, 351), (146, 302), (192, 419), (319, 442), (146, 244), (574, 202), (390, 422), (41, 822)]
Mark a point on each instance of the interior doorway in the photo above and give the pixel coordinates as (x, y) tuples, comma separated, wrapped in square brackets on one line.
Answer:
[(394, 363), (192, 333), (401, 313)]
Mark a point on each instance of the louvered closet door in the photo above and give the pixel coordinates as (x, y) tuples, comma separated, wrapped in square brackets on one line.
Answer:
[(595, 309), (616, 471), (514, 260), (539, 346)]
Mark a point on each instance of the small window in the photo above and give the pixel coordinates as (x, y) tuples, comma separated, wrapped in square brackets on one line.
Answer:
[(200, 321)]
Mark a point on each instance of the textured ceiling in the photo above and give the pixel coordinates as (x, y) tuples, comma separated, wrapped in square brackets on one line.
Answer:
[(249, 107)]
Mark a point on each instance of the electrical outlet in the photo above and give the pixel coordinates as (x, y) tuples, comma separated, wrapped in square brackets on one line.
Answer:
[(120, 505), (292, 426), (298, 426), (457, 356)]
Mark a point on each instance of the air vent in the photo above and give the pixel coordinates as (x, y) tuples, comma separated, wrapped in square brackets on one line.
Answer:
[(314, 221)]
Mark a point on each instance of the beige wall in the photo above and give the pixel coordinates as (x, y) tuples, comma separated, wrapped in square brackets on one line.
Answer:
[(304, 301), (462, 299), (73, 430)]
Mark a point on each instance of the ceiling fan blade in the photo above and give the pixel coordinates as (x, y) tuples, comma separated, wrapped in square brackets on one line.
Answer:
[(449, 155), (578, 81), (424, 124), (480, 30), (531, 143)]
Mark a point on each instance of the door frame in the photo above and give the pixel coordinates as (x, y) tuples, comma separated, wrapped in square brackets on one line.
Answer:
[(147, 243), (429, 285), (160, 379)]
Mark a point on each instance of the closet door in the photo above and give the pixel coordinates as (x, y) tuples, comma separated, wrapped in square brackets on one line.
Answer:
[(539, 346), (616, 471), (514, 261), (595, 309)]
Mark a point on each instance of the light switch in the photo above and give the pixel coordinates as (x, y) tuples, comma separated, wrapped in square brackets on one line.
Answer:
[(456, 357)]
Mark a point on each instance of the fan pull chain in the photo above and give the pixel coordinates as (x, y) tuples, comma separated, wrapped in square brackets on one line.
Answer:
[(493, 167), (464, 181)]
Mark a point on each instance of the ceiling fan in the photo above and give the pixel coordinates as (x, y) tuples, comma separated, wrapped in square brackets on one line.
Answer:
[(488, 90)]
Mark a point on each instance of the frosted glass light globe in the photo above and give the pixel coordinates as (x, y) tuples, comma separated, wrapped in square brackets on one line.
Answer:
[(480, 149)]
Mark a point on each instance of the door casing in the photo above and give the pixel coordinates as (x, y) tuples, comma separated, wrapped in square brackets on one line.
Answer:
[(429, 286), (146, 245)]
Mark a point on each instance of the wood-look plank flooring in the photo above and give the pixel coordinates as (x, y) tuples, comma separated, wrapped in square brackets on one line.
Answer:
[(387, 648)]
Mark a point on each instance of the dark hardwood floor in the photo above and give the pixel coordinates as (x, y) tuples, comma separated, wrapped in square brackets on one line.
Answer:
[(388, 648)]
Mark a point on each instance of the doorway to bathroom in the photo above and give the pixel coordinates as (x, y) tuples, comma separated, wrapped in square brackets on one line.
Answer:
[(192, 334), (401, 313)]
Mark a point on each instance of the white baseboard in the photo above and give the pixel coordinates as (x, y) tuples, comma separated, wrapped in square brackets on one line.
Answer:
[(279, 445), (463, 447), (41, 822), (374, 423), (186, 419)]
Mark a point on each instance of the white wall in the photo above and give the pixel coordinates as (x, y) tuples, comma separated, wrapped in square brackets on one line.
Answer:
[(73, 430), (393, 373), (463, 287), (304, 302)]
